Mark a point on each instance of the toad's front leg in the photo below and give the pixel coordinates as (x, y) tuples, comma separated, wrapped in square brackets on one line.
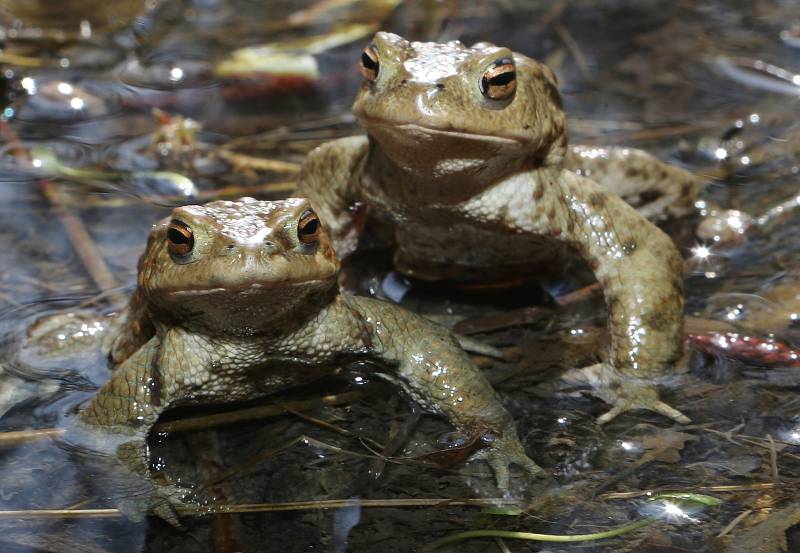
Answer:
[(639, 270), (111, 432), (430, 366), (330, 179)]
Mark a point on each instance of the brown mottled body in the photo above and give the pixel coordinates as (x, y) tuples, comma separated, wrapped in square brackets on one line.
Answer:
[(253, 307), (466, 154), (657, 190)]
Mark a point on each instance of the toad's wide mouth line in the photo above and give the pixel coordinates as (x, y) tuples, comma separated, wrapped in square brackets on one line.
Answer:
[(416, 128), (247, 289)]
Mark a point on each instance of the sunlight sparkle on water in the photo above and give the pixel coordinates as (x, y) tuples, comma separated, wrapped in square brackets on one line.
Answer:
[(670, 511), (735, 221), (674, 511), (701, 252), (791, 435), (29, 85)]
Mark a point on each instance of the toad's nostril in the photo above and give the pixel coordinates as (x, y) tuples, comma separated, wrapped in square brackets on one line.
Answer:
[(440, 86), (231, 246)]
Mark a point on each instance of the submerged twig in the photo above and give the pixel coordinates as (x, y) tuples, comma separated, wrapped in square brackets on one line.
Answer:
[(242, 162), (84, 245), (726, 488), (280, 188), (330, 426), (649, 134), (499, 321), (61, 513), (753, 440), (523, 315), (20, 61), (17, 437), (273, 507), (734, 523), (773, 459), (253, 413), (80, 238), (573, 47)]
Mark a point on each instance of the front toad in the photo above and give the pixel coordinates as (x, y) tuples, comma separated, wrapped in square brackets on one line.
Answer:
[(236, 300), (467, 156)]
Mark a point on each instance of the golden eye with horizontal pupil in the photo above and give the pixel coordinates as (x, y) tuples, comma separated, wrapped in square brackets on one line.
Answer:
[(308, 227), (369, 64), (180, 239), (500, 80)]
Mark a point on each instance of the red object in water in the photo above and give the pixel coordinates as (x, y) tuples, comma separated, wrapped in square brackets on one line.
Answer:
[(265, 85), (753, 350)]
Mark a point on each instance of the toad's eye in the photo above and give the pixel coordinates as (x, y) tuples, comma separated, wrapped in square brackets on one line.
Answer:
[(308, 227), (369, 64), (180, 239), (500, 80)]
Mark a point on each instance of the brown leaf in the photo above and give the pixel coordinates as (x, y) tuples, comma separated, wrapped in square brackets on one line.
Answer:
[(446, 458), (770, 535), (664, 445)]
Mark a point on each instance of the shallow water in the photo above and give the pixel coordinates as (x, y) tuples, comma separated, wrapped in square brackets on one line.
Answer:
[(674, 80)]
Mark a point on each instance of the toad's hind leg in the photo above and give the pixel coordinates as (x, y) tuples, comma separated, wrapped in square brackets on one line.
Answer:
[(656, 189), (637, 266)]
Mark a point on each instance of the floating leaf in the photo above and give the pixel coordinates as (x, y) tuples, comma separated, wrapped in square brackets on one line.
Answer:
[(687, 497)]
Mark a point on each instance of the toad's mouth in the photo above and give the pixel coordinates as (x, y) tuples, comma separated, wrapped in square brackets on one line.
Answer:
[(416, 130), (248, 288)]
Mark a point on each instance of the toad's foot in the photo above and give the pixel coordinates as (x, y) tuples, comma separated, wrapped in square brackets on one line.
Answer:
[(163, 501), (121, 472), (503, 452), (623, 393)]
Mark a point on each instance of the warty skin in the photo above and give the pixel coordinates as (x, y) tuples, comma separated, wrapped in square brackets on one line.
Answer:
[(480, 186)]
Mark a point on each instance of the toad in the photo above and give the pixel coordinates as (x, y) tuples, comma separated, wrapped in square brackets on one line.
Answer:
[(466, 160), (239, 299)]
